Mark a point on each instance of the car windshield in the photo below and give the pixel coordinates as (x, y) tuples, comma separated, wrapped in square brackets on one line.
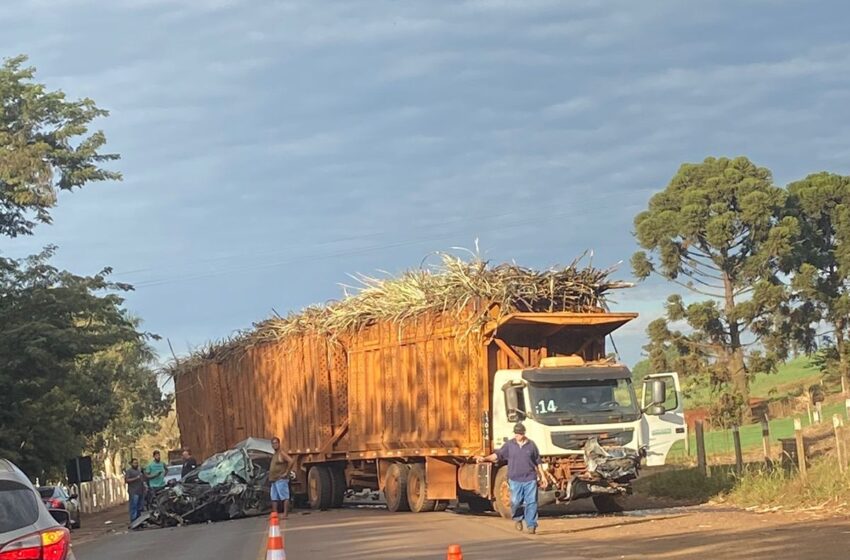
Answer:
[(579, 399), (218, 468), (18, 506), (46, 492)]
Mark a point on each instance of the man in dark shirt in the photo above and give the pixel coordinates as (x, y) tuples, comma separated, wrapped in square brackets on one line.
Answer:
[(135, 489), (524, 471), (189, 463)]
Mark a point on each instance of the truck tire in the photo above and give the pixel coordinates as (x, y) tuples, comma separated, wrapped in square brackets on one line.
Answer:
[(338, 487), (395, 488), (502, 494), (606, 503), (417, 490), (319, 487)]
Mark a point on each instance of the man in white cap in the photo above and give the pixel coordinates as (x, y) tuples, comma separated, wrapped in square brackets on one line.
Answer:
[(525, 472)]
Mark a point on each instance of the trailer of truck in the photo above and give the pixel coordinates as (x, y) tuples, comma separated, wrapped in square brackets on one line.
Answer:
[(403, 408)]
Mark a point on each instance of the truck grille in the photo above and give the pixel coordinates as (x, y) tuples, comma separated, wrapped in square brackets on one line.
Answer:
[(576, 440)]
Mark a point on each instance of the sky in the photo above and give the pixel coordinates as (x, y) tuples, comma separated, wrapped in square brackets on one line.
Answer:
[(271, 148)]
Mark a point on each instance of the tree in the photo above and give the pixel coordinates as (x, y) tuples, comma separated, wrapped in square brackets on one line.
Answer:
[(46, 145), (719, 230), (53, 324), (821, 268), (75, 371), (134, 404)]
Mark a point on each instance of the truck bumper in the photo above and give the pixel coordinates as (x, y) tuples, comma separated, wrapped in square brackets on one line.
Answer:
[(579, 489)]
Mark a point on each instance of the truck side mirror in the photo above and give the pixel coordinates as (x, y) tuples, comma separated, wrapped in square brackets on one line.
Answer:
[(659, 397), (513, 394), (515, 416)]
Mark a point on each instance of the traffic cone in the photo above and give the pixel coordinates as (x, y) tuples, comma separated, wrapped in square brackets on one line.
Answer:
[(274, 550), (454, 553)]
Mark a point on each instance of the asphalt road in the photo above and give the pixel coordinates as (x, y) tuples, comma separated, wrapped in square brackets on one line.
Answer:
[(375, 534), (234, 540)]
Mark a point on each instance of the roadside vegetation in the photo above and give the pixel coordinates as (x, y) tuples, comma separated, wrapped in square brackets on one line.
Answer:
[(825, 488), (77, 373)]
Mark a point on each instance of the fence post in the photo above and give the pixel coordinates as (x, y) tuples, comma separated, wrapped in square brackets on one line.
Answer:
[(801, 450), (765, 441), (739, 455), (836, 425), (847, 408), (700, 436)]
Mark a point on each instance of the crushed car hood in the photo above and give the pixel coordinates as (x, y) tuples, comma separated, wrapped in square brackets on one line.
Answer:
[(228, 485)]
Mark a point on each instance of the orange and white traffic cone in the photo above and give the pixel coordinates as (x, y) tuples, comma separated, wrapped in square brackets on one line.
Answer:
[(274, 550), (454, 553)]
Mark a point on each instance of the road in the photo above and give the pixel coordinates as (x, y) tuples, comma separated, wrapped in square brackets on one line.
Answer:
[(374, 534)]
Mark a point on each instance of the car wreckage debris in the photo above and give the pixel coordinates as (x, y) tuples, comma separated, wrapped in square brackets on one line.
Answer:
[(228, 485), (619, 464)]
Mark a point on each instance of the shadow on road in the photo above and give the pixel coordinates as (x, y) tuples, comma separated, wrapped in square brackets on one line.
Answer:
[(710, 533)]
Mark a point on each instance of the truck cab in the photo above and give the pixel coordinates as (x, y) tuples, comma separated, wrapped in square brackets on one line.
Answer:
[(580, 413)]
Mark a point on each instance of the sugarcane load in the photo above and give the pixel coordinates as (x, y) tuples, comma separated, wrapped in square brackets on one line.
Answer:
[(400, 384)]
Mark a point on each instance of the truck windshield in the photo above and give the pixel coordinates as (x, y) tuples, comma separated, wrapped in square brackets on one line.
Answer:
[(583, 401)]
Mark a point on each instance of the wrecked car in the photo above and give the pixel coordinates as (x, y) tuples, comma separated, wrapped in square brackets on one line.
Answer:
[(228, 485)]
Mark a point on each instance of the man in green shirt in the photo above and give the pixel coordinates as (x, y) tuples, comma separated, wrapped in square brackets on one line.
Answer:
[(155, 473)]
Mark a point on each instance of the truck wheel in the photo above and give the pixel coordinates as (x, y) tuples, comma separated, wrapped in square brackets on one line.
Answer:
[(338, 487), (502, 493), (417, 490), (606, 503), (395, 488), (319, 487)]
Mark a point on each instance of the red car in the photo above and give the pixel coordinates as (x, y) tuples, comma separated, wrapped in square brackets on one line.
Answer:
[(28, 531)]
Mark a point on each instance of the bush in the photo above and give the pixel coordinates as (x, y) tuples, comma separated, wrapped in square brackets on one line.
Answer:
[(824, 484), (756, 487)]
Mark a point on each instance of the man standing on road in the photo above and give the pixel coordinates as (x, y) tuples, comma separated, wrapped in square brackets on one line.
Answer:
[(155, 473), (282, 463), (525, 472), (189, 463), (135, 489)]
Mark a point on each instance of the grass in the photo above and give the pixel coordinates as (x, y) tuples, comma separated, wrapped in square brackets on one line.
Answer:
[(791, 375), (719, 442), (789, 379), (825, 485), (825, 488)]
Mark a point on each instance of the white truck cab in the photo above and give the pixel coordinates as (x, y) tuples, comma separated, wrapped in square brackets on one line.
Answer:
[(566, 402)]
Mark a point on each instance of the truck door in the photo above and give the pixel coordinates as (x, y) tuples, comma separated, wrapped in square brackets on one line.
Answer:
[(661, 432)]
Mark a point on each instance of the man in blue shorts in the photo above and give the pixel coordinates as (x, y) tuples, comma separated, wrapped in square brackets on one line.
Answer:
[(279, 477)]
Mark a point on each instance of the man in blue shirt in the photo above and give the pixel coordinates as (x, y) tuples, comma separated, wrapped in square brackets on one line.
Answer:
[(525, 469)]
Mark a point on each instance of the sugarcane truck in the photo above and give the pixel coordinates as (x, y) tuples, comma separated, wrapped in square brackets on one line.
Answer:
[(404, 409)]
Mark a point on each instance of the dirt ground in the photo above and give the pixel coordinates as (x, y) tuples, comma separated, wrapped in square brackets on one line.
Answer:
[(96, 525)]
